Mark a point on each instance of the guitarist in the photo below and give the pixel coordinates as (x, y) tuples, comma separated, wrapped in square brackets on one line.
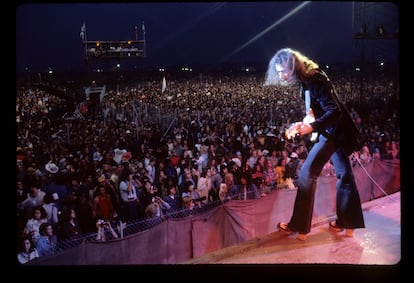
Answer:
[(337, 139)]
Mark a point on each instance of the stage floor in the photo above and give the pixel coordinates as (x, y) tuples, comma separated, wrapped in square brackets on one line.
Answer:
[(377, 244)]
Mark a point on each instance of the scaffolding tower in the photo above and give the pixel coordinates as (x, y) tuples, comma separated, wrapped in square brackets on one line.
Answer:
[(375, 27), (106, 50)]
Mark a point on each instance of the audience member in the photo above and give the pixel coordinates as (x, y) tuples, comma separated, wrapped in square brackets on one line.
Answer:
[(27, 250), (129, 197), (51, 210), (71, 229), (47, 243), (173, 199), (32, 227)]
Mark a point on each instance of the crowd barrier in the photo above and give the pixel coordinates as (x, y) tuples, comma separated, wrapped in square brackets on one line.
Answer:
[(177, 240)]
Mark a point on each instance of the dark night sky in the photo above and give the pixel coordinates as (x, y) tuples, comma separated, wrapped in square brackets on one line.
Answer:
[(191, 33)]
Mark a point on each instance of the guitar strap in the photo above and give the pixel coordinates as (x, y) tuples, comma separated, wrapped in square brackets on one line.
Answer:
[(314, 135), (307, 100)]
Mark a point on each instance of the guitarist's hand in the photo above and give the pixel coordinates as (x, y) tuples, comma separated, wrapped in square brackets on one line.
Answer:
[(298, 128), (304, 128), (291, 132)]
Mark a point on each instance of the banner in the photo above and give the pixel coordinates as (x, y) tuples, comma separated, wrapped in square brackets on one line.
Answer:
[(164, 85)]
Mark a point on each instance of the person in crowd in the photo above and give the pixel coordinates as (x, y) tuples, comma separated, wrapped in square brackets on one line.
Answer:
[(231, 184), (152, 169), (27, 250), (162, 183), (33, 199), (71, 228), (173, 198), (216, 179), (129, 197), (214, 193), (102, 205), (148, 193), (105, 180), (337, 139), (57, 185), (291, 168), (21, 193), (32, 227), (190, 194), (364, 155), (186, 177), (204, 183), (50, 208), (246, 190), (328, 169), (223, 193), (270, 177), (157, 208), (258, 176), (47, 243), (105, 230)]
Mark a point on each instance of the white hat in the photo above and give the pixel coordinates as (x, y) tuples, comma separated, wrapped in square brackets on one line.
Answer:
[(118, 155), (51, 167), (237, 161), (294, 155), (97, 156)]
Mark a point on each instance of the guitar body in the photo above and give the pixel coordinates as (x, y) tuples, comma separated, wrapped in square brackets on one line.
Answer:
[(291, 132)]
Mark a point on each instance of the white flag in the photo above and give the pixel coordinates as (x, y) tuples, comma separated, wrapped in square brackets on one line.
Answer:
[(83, 31), (164, 84)]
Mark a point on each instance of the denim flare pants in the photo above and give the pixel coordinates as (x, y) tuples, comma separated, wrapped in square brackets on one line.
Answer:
[(348, 204)]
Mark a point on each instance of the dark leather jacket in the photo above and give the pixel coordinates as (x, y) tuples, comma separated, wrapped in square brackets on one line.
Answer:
[(332, 119)]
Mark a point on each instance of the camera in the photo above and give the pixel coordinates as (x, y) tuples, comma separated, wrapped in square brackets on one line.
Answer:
[(102, 222), (131, 196), (199, 199)]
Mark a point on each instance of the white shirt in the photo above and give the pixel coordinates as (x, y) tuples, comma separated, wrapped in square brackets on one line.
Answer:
[(125, 195)]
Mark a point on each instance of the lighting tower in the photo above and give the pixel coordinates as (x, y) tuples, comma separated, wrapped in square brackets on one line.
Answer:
[(106, 50), (375, 34)]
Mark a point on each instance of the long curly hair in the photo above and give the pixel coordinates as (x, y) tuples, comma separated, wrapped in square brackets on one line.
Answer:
[(299, 66)]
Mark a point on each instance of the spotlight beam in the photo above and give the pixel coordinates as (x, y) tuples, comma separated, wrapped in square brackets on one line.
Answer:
[(275, 24)]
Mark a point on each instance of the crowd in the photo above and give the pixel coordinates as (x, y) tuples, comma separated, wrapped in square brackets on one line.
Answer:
[(118, 160)]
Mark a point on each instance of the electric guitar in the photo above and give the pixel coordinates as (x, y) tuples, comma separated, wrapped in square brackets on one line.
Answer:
[(292, 131)]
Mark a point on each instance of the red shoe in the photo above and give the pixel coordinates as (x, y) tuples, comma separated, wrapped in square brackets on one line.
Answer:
[(301, 237), (333, 227), (282, 226)]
